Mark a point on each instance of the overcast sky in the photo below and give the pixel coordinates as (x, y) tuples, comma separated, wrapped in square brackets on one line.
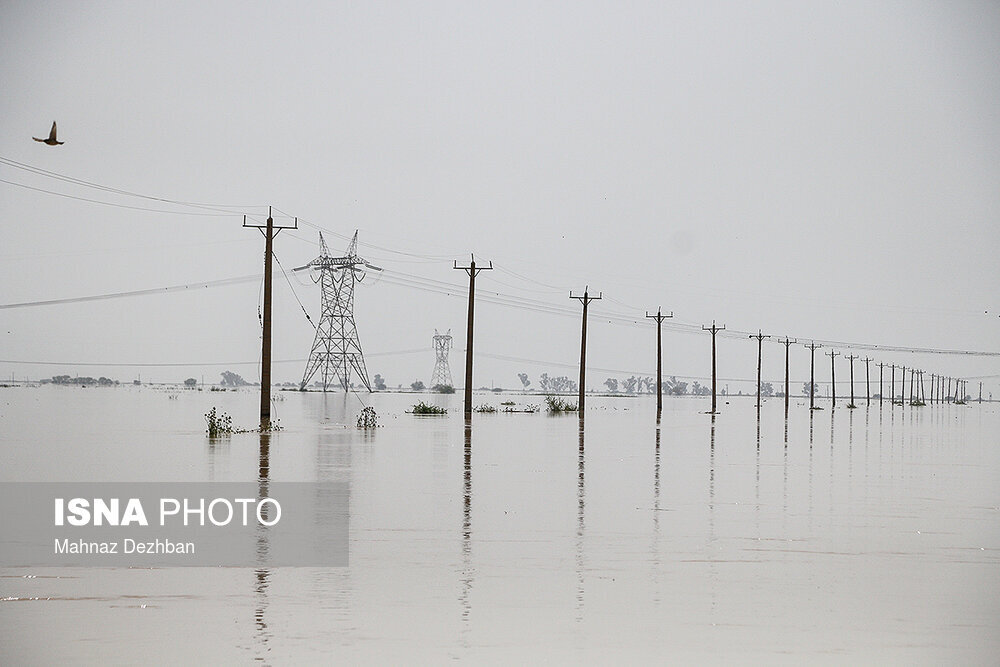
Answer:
[(820, 170)]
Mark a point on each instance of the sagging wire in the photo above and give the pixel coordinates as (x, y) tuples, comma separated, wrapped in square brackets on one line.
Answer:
[(294, 293)]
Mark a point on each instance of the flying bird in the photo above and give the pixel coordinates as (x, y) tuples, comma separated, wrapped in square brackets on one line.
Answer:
[(51, 141)]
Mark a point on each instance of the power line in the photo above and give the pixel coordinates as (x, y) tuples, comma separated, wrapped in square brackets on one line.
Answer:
[(107, 203), (402, 279), (177, 364), (117, 295), (97, 186)]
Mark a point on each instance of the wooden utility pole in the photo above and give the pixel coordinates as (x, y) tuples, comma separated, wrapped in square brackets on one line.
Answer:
[(659, 317), (787, 342), (812, 373), (833, 378), (852, 357), (902, 386), (714, 329), (472, 270), (980, 392), (760, 344), (892, 387), (585, 300), (868, 386), (881, 368), (948, 395), (269, 230)]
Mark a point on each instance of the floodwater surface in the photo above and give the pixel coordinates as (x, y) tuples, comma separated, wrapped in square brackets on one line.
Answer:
[(867, 535)]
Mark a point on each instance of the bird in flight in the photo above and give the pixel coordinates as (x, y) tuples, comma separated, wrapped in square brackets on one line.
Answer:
[(51, 141)]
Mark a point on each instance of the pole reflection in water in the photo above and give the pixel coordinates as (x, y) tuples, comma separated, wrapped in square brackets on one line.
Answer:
[(830, 474), (811, 432), (850, 453), (713, 574), (784, 489), (262, 574), (656, 519), (580, 511), (757, 507), (467, 530)]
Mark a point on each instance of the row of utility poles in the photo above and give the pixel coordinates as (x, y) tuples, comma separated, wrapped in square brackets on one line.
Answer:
[(939, 391), (916, 377)]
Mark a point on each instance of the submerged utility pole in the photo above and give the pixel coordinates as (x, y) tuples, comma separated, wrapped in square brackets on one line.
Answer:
[(659, 317), (269, 230), (881, 368), (472, 270), (788, 341), (812, 373), (902, 387), (585, 300), (852, 357), (833, 378), (868, 387), (714, 329), (760, 343), (892, 387)]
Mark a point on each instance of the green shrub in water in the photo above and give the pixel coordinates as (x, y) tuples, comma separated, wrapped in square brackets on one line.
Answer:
[(422, 408)]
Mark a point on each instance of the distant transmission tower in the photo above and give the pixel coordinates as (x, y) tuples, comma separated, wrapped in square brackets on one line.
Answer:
[(336, 349), (442, 372)]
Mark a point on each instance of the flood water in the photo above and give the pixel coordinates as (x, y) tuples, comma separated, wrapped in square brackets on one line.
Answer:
[(868, 535)]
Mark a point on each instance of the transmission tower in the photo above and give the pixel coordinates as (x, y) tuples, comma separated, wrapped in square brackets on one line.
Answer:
[(336, 349), (442, 371)]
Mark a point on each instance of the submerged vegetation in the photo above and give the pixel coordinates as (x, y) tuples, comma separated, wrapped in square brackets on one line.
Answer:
[(556, 405), (485, 407), (422, 408), (220, 424), (368, 418)]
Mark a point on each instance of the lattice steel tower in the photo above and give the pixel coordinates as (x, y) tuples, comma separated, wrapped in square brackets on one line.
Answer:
[(336, 350), (442, 372)]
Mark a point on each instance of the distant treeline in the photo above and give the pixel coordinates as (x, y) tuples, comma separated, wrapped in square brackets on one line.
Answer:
[(86, 380)]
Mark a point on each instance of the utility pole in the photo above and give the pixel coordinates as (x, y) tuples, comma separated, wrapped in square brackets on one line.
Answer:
[(812, 373), (760, 343), (868, 392), (585, 300), (980, 392), (902, 387), (714, 329), (892, 387), (659, 317), (833, 378), (269, 230), (472, 270), (787, 342), (852, 357), (881, 368), (948, 395)]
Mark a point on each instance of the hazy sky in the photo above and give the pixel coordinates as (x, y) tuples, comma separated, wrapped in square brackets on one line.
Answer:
[(825, 170)]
